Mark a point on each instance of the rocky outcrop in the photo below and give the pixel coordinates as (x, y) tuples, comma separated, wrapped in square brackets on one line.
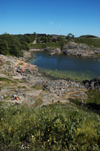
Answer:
[(53, 50), (31, 85), (92, 84), (81, 50)]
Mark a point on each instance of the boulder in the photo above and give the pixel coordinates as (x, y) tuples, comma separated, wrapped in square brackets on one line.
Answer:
[(53, 50), (80, 50), (57, 51), (92, 84)]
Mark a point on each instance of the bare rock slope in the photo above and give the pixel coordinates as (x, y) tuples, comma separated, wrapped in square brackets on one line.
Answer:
[(21, 82)]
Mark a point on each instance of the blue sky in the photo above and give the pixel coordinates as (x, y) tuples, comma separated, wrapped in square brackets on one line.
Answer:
[(61, 17)]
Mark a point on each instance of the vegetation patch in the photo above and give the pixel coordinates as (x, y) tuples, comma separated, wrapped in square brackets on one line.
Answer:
[(94, 99), (7, 80), (38, 87), (89, 41), (91, 103), (38, 102), (37, 46), (53, 127)]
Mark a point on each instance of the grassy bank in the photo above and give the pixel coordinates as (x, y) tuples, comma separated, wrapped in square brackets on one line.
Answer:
[(54, 127), (52, 45), (89, 41)]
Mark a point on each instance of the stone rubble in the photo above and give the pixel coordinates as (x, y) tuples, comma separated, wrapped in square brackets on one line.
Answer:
[(27, 85)]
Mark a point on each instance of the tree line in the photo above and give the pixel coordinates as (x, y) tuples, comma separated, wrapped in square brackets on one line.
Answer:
[(14, 44)]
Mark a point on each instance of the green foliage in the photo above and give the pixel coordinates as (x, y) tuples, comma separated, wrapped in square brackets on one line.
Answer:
[(88, 36), (4, 79), (89, 41), (70, 37), (94, 99), (37, 46), (53, 44), (24, 45), (61, 41), (54, 127), (11, 44), (4, 47), (44, 39)]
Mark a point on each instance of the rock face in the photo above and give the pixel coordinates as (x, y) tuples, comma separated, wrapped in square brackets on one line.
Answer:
[(92, 84), (81, 50)]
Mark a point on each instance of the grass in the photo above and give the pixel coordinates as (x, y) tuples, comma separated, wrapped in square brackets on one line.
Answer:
[(92, 102), (54, 127), (7, 81), (52, 45), (94, 99), (89, 41), (37, 46), (38, 102)]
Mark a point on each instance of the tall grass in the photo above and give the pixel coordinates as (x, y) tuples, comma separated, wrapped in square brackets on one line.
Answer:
[(54, 127)]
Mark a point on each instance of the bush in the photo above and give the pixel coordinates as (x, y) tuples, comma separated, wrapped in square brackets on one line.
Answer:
[(48, 128), (11, 44)]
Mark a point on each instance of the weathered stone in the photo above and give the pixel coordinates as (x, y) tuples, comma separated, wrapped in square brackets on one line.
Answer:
[(92, 84), (80, 50)]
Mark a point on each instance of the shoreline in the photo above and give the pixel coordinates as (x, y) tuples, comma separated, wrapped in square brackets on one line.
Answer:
[(59, 74), (24, 80), (72, 49)]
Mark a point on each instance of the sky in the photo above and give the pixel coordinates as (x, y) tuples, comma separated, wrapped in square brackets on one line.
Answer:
[(79, 17)]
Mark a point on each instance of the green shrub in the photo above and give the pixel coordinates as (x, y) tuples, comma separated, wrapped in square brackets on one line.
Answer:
[(54, 127)]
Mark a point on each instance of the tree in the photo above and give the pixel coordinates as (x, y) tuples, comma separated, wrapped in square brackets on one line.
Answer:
[(34, 34), (24, 45), (10, 44), (69, 36), (44, 39), (4, 49), (48, 38), (61, 41)]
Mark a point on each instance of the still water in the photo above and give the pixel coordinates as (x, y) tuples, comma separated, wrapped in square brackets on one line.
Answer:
[(67, 66)]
